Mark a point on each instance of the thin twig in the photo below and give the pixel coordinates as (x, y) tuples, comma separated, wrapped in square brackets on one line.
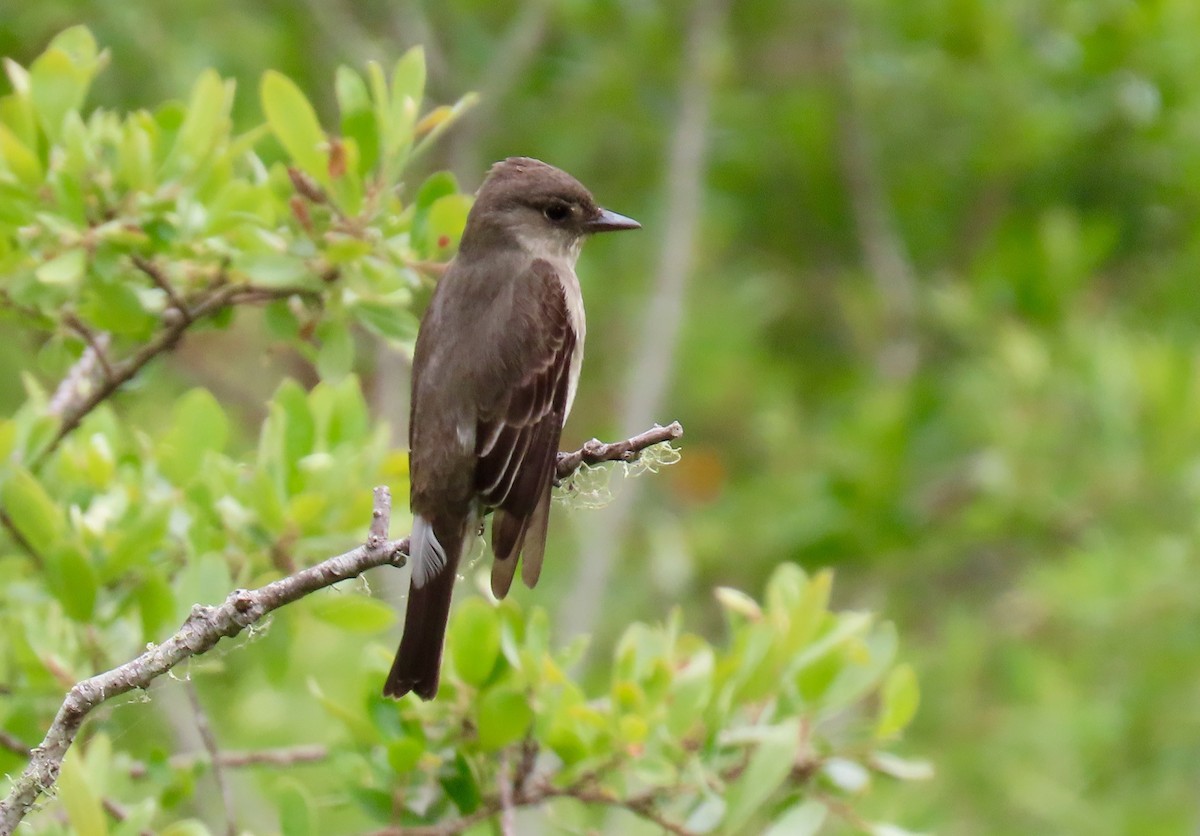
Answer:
[(204, 627), (96, 343), (204, 727), (167, 338), (643, 806), (160, 279), (17, 537), (508, 812), (117, 810), (14, 744), (597, 452), (80, 378), (284, 757)]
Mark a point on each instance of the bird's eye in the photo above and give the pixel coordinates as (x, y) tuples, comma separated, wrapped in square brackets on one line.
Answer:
[(557, 212)]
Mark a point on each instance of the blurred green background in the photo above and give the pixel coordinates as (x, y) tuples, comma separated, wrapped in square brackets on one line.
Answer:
[(919, 279)]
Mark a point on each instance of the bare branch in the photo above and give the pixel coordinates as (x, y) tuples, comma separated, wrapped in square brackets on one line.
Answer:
[(207, 625), (160, 279), (597, 452), (96, 343), (14, 744), (508, 811), (7, 523), (210, 745), (585, 790), (284, 757), (213, 302), (79, 380)]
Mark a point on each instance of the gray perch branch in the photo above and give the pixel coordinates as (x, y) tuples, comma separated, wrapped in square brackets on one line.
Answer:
[(206, 625)]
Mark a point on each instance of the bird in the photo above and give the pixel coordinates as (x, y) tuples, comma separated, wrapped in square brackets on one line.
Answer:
[(494, 374)]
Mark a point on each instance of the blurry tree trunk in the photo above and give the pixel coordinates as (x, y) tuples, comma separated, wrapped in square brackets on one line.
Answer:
[(651, 367), (883, 250)]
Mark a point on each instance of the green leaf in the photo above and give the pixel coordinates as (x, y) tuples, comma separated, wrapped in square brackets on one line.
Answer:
[(706, 816), (503, 717), (437, 185), (768, 768), (462, 786), (335, 357), (276, 270), (900, 697), (353, 613), (348, 419), (206, 119), (59, 78), (868, 660), (378, 804), (447, 217), (475, 640), (690, 691), (391, 322), (294, 123), (156, 603), (34, 514), (358, 118), (297, 816), (288, 437), (351, 91), (404, 754), (16, 109), (65, 270), (19, 158), (355, 721), (198, 427), (114, 306), (80, 799), (408, 88), (801, 819), (186, 827)]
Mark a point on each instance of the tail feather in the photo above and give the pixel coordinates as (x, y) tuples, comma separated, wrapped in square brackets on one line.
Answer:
[(534, 547), (418, 662), (508, 535)]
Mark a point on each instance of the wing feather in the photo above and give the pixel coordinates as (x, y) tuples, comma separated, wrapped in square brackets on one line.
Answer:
[(518, 439)]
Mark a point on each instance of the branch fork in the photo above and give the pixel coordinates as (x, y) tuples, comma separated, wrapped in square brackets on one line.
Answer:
[(207, 625)]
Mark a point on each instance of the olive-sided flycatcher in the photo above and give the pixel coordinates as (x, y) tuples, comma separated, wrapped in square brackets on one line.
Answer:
[(494, 374)]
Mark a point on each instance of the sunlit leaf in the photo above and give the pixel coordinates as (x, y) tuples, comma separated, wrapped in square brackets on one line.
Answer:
[(475, 640), (504, 716), (354, 613), (899, 698), (294, 123), (32, 511), (80, 799)]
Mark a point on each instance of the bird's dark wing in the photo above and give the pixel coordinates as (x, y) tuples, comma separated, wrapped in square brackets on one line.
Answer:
[(517, 439)]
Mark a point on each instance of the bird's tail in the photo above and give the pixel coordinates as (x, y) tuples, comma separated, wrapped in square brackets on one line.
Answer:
[(418, 662)]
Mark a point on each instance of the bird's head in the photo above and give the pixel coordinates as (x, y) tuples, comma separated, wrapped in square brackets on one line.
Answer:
[(539, 207)]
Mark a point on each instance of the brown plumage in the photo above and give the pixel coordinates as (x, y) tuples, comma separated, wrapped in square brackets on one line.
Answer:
[(494, 374)]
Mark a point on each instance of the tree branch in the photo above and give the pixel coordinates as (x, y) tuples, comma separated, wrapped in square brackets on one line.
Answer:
[(14, 744), (584, 790), (287, 756), (207, 625), (597, 452), (77, 401), (210, 745)]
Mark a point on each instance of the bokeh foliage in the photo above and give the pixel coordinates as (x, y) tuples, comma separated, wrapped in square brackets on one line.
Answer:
[(1023, 505), (124, 233)]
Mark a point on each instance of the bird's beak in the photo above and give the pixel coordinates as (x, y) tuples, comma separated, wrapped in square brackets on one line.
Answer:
[(608, 221)]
